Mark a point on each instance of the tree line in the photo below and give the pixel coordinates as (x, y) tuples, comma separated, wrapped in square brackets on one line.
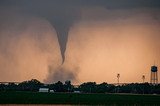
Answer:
[(87, 87)]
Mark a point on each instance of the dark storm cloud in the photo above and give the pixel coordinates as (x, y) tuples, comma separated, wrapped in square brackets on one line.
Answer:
[(63, 13)]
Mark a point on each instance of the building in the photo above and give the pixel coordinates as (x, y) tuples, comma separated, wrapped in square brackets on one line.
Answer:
[(43, 89)]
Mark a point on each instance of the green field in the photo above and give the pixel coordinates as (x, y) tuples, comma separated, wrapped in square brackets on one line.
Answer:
[(71, 98)]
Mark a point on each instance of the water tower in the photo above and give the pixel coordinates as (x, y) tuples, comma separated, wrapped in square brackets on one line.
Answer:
[(154, 75)]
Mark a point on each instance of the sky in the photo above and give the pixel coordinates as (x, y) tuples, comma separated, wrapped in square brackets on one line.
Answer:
[(81, 41)]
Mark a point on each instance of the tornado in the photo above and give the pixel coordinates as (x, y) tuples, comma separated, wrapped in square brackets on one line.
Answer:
[(61, 15), (62, 35), (62, 24)]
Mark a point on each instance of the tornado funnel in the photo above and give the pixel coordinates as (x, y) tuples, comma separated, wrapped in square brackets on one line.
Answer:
[(62, 22), (62, 29), (62, 34)]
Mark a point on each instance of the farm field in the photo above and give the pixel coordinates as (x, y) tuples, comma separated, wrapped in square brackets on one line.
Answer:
[(15, 97)]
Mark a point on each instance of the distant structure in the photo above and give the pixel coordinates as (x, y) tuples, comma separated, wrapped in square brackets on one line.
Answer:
[(143, 78), (118, 76), (43, 89), (154, 75)]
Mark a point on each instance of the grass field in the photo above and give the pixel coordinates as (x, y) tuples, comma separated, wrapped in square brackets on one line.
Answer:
[(71, 98)]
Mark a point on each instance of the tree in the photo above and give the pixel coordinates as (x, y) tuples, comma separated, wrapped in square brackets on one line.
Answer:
[(68, 86), (89, 87), (59, 87), (102, 88), (32, 85)]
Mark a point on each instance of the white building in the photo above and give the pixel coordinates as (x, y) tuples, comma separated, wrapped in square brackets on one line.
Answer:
[(43, 89), (51, 91), (77, 92)]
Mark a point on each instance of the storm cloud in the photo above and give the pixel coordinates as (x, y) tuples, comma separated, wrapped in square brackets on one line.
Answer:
[(62, 17), (63, 14)]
